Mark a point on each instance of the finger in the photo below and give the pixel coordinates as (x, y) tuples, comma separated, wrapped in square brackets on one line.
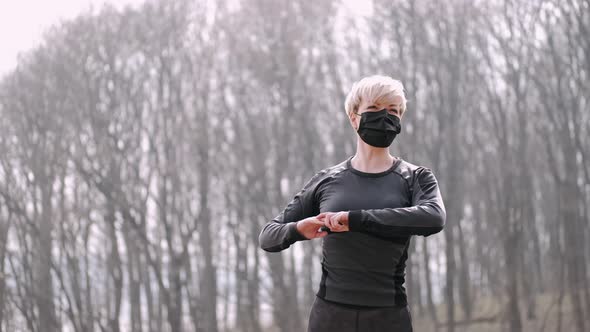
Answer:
[(339, 217), (321, 234), (331, 223), (328, 223), (338, 224), (334, 222), (316, 221)]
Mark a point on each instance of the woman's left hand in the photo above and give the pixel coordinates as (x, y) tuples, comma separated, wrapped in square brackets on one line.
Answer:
[(336, 221)]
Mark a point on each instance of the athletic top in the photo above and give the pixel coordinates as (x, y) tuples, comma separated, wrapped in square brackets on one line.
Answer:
[(364, 267)]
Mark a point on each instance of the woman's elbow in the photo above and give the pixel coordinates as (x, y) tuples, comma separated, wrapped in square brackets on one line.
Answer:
[(263, 241), (437, 221), (266, 240), (269, 248), (441, 219)]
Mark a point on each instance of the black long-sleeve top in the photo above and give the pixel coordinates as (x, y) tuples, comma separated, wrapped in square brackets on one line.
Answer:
[(365, 266)]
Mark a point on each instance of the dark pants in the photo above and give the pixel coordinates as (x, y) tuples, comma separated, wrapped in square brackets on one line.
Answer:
[(329, 317)]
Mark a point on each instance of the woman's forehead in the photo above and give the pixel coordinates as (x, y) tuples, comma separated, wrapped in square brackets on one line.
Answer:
[(386, 100)]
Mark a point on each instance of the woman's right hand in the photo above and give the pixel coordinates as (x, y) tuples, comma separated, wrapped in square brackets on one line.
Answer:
[(310, 227)]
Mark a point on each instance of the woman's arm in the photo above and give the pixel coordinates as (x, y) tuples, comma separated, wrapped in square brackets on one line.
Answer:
[(282, 231), (425, 217)]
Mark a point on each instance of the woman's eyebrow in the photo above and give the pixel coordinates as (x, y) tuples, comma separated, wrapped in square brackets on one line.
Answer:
[(395, 109)]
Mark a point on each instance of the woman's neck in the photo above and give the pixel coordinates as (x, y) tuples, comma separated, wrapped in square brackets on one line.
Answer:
[(372, 160)]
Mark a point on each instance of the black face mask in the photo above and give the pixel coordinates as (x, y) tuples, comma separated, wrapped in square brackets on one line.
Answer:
[(379, 128)]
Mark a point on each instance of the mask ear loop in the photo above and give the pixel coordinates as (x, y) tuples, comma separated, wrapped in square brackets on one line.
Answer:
[(357, 127)]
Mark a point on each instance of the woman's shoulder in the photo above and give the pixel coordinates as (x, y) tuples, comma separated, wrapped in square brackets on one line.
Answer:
[(405, 166), (332, 170), (326, 173), (409, 170)]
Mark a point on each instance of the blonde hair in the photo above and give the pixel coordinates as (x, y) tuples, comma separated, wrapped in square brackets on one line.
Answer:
[(374, 88)]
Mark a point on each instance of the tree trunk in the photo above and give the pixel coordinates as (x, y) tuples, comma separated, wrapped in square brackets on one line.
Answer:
[(44, 293)]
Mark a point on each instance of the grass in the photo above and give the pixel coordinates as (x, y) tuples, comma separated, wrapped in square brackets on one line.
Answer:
[(489, 315)]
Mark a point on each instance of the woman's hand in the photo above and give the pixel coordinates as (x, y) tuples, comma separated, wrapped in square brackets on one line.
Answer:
[(335, 221), (310, 227)]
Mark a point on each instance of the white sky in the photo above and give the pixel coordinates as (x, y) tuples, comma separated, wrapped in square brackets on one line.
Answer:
[(22, 22)]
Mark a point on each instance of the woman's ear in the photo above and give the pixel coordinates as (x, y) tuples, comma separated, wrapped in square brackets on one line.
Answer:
[(351, 117)]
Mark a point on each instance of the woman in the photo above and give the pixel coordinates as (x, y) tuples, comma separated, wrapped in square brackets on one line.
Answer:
[(365, 208)]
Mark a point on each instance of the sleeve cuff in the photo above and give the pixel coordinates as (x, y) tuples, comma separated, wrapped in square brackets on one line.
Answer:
[(294, 234), (355, 220)]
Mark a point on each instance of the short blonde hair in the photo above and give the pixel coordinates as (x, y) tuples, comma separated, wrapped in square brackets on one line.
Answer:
[(374, 88)]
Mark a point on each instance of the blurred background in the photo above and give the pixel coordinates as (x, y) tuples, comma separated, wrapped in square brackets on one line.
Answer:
[(144, 146)]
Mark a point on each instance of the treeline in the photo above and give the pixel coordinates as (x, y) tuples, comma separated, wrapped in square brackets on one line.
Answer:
[(142, 150)]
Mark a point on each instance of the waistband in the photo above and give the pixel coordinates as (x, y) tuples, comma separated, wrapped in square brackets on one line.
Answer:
[(355, 306)]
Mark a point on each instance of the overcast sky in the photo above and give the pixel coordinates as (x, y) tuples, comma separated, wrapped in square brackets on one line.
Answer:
[(22, 22)]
